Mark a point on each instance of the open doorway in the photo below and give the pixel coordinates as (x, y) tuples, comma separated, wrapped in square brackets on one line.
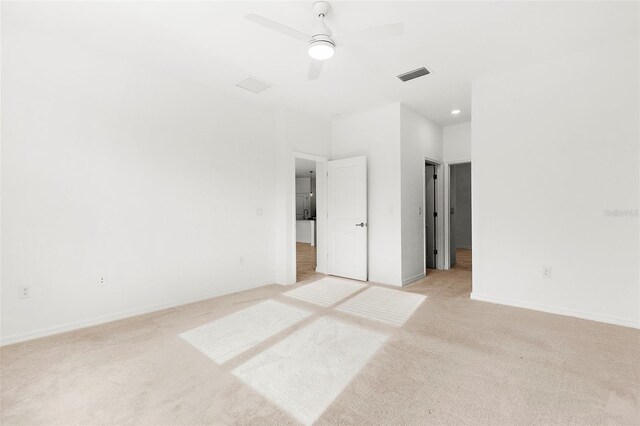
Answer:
[(311, 232), (431, 214), (306, 224), (460, 216)]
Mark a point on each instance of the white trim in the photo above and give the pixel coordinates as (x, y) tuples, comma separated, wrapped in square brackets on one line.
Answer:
[(311, 157), (103, 319), (447, 216), (593, 316), (456, 162), (412, 279), (433, 161)]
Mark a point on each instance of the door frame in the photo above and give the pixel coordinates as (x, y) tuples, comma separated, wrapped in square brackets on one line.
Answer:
[(321, 215), (440, 207), (447, 207)]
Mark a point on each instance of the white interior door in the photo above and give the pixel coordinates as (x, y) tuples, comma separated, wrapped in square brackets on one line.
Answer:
[(347, 213)]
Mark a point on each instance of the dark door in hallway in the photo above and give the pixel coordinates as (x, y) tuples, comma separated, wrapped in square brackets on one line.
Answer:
[(430, 215), (460, 216)]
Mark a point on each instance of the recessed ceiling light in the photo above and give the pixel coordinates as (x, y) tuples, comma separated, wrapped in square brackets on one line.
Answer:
[(455, 111)]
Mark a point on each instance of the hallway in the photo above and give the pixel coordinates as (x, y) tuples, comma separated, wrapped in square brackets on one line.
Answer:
[(463, 260), (305, 262)]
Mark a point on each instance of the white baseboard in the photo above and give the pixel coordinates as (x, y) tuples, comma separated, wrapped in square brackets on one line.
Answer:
[(626, 322), (414, 278), (103, 319)]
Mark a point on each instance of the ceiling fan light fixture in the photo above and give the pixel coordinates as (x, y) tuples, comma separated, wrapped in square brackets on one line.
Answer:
[(321, 50), (320, 45)]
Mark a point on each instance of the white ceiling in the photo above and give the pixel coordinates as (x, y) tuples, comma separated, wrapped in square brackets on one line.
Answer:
[(303, 167), (212, 44)]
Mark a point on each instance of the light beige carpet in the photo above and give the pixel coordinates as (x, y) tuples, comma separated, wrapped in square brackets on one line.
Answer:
[(326, 291), (454, 361), (227, 337), (391, 306)]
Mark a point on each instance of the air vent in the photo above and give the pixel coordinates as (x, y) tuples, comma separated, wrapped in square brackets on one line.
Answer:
[(413, 74), (253, 85)]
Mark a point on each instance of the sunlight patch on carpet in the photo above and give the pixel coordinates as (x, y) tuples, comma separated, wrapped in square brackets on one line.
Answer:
[(304, 373), (383, 304), (229, 336), (325, 292)]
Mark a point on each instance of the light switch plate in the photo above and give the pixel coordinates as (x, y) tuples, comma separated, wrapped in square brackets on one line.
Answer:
[(24, 292)]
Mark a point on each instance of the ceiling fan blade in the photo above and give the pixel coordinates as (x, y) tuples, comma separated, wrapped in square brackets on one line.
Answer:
[(381, 32), (315, 68), (276, 26)]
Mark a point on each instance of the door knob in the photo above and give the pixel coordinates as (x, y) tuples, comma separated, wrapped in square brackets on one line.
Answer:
[(361, 224)]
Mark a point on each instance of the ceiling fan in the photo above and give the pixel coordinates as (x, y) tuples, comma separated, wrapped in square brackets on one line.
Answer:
[(322, 44)]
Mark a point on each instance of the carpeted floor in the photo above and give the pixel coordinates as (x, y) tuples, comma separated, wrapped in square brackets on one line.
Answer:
[(454, 361)]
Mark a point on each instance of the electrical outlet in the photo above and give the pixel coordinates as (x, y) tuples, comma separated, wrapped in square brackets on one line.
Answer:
[(546, 272), (102, 281), (24, 292), (242, 260)]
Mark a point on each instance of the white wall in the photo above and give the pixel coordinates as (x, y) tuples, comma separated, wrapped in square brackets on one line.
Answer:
[(376, 135), (456, 149), (297, 133), (396, 141), (457, 142), (555, 146), (117, 170), (420, 139)]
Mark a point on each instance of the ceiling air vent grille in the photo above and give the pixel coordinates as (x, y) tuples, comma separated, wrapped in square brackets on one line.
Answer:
[(413, 74), (253, 85)]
